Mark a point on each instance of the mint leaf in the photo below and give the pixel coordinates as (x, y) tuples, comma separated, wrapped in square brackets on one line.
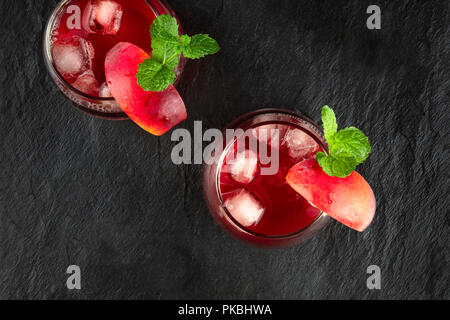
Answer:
[(165, 28), (199, 46), (154, 76), (347, 148), (351, 141), (329, 122)]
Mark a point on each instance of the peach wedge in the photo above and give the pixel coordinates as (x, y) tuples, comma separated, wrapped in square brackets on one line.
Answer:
[(155, 112), (348, 200)]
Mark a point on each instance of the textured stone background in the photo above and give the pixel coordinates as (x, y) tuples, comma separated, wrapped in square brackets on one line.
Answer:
[(105, 195)]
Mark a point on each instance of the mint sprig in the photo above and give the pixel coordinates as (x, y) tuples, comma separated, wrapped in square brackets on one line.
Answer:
[(157, 73), (348, 147)]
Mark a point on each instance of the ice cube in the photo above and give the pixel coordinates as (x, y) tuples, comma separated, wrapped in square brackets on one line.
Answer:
[(245, 208), (300, 145), (72, 56), (104, 91), (103, 17), (87, 83), (242, 165), (271, 134)]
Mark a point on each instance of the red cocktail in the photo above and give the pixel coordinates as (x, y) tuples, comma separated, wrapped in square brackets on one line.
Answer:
[(257, 206), (79, 35)]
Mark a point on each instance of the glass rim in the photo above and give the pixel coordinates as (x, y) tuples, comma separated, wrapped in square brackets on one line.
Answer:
[(242, 119), (51, 66)]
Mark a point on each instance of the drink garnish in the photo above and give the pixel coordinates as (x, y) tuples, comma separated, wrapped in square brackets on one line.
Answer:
[(158, 72), (155, 112), (330, 182), (349, 200), (348, 147)]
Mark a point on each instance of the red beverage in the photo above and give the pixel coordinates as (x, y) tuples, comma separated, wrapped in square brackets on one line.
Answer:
[(79, 35), (262, 208)]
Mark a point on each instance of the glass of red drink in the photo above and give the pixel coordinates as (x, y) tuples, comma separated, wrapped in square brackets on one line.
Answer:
[(75, 50), (262, 209)]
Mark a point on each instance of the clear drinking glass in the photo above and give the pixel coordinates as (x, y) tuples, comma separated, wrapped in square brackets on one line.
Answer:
[(212, 180), (105, 108)]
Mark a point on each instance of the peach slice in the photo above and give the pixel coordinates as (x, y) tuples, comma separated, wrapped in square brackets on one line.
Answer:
[(349, 200), (155, 112)]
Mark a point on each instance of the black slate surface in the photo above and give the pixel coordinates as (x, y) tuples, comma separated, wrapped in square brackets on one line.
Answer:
[(105, 195)]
